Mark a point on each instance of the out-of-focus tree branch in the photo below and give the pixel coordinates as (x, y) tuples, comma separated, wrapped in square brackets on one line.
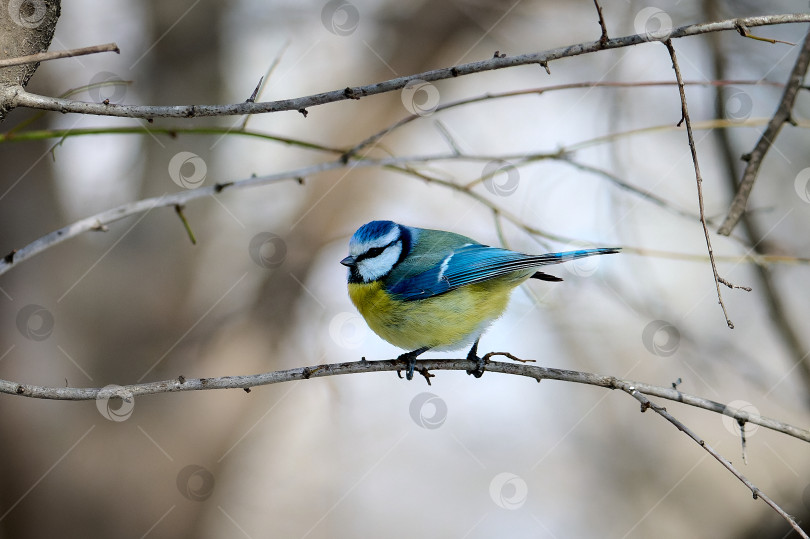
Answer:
[(757, 155)]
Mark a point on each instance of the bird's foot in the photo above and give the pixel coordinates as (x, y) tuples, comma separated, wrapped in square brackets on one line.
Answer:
[(480, 362), (479, 369), (410, 357)]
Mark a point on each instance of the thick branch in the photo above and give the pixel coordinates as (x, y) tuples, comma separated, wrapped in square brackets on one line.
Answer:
[(20, 98), (757, 155), (334, 369)]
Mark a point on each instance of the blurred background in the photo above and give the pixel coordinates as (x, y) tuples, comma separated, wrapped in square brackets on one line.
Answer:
[(373, 455)]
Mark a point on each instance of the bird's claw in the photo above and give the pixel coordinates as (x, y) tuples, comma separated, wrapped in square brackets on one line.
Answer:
[(479, 369), (411, 366)]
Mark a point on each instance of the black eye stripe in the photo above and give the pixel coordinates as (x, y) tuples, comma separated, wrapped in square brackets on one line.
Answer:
[(375, 251)]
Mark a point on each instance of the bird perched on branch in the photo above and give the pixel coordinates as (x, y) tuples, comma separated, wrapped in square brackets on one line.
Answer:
[(422, 289)]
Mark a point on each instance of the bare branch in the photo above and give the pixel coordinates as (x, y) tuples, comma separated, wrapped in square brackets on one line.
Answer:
[(699, 179), (647, 404), (18, 97), (55, 55), (755, 158), (388, 365), (604, 38)]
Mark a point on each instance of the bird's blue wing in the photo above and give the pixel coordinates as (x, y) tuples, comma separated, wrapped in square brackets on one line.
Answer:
[(475, 263)]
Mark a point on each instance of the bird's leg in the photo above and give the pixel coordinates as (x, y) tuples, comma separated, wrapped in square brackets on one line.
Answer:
[(410, 357), (472, 355)]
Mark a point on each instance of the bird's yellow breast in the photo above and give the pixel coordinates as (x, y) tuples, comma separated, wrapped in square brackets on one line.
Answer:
[(448, 321)]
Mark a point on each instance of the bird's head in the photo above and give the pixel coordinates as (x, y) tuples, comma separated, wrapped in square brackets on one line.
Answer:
[(375, 249)]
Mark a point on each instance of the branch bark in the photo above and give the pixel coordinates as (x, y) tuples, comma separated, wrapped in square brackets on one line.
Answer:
[(56, 55), (25, 28), (18, 97), (757, 155), (423, 366), (758, 494), (685, 119)]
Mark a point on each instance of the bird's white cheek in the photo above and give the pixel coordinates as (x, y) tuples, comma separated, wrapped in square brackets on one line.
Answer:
[(375, 268)]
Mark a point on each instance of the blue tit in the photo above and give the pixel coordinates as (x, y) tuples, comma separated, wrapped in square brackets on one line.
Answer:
[(422, 289)]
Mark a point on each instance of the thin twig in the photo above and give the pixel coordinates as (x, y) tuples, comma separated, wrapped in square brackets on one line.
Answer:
[(546, 89), (392, 365), (257, 94), (647, 404), (178, 209), (398, 164), (785, 325), (55, 55), (42, 134), (604, 39), (181, 198), (699, 179), (18, 97), (757, 155), (745, 32)]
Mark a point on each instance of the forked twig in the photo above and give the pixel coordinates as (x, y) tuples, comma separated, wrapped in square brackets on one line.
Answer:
[(685, 119)]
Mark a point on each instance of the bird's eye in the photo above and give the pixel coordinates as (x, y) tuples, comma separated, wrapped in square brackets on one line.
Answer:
[(375, 251)]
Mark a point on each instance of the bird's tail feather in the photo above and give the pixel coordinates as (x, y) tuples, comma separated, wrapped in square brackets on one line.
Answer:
[(565, 256)]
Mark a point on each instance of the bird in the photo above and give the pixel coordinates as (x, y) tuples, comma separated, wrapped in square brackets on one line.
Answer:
[(422, 289)]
